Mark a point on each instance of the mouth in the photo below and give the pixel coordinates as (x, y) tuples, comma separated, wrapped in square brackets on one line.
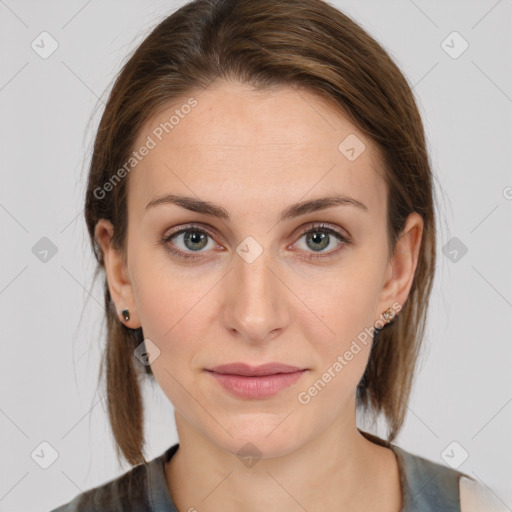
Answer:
[(247, 370), (251, 382)]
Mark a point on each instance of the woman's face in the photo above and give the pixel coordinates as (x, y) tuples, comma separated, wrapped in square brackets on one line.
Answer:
[(255, 288)]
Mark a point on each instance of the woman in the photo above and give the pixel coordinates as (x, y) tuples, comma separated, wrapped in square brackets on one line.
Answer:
[(260, 200)]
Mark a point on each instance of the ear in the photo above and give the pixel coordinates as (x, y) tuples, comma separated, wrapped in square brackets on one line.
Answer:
[(120, 287), (402, 266)]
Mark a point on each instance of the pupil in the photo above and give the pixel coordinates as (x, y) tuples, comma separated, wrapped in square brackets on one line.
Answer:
[(318, 238), (195, 238)]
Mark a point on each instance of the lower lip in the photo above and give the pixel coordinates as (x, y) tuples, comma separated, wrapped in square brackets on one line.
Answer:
[(262, 386)]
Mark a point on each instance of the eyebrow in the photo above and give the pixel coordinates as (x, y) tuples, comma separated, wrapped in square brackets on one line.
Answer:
[(207, 208)]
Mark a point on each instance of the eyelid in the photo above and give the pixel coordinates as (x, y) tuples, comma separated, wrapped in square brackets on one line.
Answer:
[(325, 226), (190, 227), (343, 237), (310, 225)]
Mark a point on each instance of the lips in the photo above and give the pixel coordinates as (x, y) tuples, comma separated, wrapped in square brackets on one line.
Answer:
[(247, 370), (256, 382)]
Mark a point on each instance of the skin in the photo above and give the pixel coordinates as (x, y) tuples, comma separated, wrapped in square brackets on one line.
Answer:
[(256, 153)]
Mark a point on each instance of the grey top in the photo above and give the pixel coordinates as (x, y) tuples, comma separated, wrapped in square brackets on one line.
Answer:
[(426, 486)]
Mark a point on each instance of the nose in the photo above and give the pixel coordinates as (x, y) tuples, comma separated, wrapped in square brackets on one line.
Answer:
[(256, 306)]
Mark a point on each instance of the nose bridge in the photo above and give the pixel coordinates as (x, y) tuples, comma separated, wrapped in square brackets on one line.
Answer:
[(255, 306)]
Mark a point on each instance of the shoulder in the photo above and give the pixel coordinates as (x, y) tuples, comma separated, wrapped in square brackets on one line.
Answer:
[(427, 485), (126, 492), (141, 489), (430, 486), (475, 497)]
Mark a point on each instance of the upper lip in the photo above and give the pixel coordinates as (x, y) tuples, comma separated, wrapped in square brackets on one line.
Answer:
[(248, 370)]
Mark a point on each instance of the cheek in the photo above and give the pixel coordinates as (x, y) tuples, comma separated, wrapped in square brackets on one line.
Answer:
[(172, 320), (162, 293), (175, 311), (342, 306), (334, 316), (340, 329)]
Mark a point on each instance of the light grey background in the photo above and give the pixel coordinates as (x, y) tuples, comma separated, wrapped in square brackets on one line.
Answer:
[(51, 325)]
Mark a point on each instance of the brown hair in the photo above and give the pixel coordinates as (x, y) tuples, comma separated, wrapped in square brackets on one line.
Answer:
[(301, 43)]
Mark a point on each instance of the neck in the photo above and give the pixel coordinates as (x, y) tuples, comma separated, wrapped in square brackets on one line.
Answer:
[(337, 468)]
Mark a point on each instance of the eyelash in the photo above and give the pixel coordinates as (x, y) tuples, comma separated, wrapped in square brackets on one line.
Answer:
[(310, 229)]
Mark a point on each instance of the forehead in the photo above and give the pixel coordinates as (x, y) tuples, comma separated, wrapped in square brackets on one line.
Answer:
[(230, 143)]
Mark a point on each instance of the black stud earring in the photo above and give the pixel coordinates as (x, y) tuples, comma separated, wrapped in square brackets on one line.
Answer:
[(126, 315)]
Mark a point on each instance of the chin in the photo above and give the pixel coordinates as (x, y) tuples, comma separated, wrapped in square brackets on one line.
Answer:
[(261, 436)]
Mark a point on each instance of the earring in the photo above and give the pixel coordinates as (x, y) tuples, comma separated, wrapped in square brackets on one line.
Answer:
[(388, 315), (126, 315)]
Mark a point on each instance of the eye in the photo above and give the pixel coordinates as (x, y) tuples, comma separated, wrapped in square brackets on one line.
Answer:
[(193, 239), (319, 237)]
